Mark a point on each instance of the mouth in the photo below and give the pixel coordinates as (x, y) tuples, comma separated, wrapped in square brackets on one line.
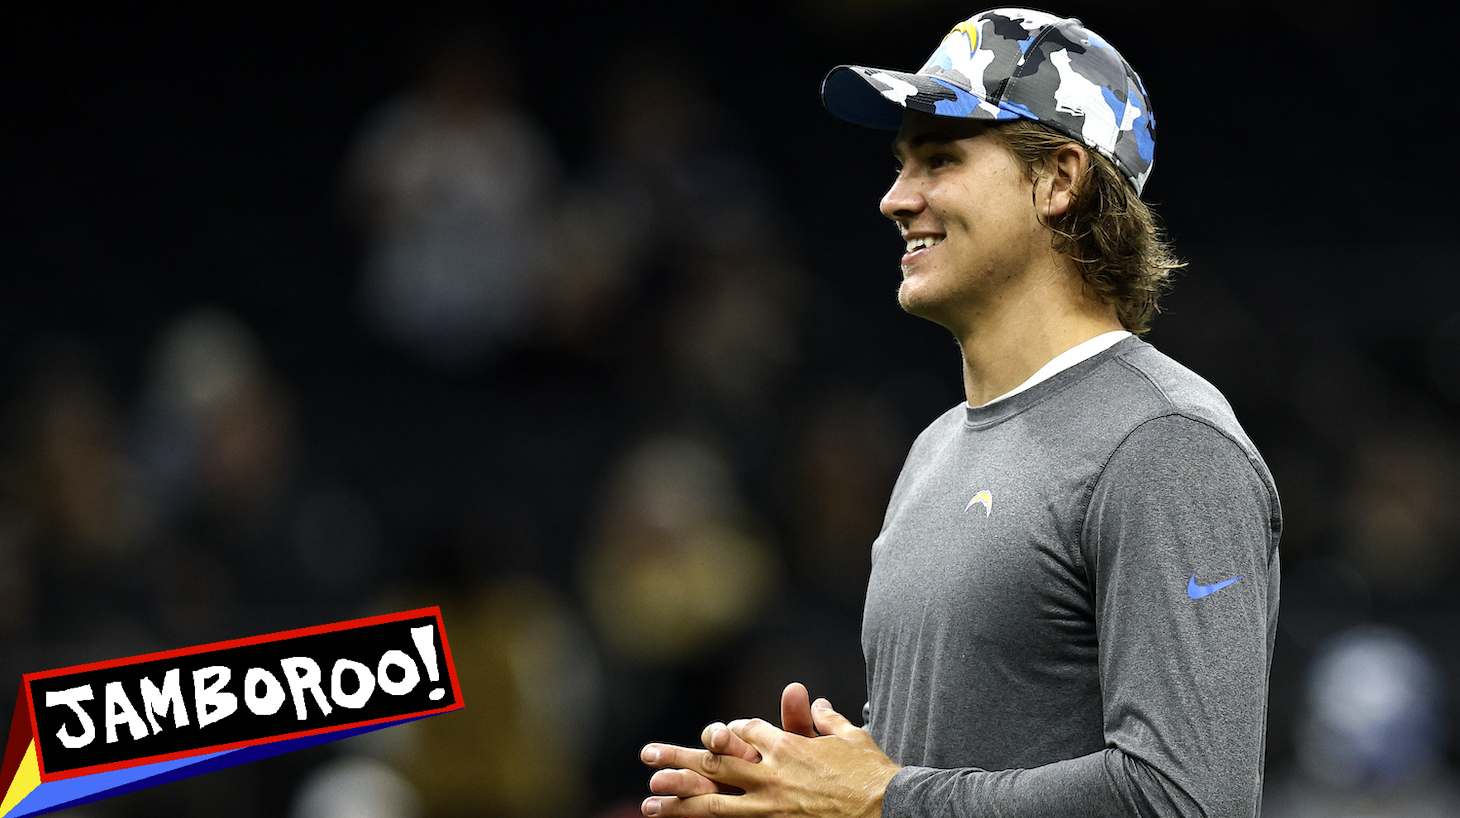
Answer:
[(916, 247)]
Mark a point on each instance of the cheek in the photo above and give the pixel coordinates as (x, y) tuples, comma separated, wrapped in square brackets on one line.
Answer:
[(1016, 211)]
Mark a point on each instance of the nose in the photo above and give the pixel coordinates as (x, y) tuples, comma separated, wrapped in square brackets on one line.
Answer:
[(904, 199)]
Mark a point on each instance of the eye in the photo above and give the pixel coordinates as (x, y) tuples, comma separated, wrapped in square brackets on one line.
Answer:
[(938, 160)]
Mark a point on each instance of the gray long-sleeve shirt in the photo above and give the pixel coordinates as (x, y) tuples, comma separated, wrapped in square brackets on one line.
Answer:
[(1073, 602)]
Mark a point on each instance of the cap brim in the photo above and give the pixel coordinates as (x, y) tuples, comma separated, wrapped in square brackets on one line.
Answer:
[(877, 97), (850, 93)]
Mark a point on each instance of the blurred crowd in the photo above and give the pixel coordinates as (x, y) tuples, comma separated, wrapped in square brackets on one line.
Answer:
[(615, 436)]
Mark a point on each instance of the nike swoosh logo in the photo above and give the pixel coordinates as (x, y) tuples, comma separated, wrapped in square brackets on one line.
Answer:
[(1198, 591)]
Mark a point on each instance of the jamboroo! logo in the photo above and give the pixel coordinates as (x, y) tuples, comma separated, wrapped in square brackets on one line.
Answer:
[(98, 730)]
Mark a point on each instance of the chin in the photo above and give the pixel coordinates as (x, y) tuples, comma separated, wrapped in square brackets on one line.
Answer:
[(914, 302), (906, 299), (926, 306)]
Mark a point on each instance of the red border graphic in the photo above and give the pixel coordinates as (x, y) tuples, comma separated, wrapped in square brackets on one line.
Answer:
[(25, 726)]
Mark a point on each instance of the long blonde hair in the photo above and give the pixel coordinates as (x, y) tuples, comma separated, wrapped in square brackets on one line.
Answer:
[(1122, 252)]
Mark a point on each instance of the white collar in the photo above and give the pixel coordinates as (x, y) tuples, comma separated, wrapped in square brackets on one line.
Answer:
[(1075, 354)]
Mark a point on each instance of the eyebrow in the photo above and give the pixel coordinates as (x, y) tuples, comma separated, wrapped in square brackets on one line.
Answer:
[(920, 139)]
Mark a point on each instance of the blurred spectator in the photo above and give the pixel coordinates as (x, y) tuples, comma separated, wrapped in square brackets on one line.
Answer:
[(671, 166), (215, 427), (677, 564), (839, 471), (1401, 523), (842, 472), (453, 183), (356, 787), (677, 571), (74, 523), (730, 335), (1371, 741), (668, 187), (531, 683), (72, 476), (252, 534), (1340, 390)]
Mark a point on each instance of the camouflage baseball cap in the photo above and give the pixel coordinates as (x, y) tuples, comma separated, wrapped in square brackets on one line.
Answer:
[(1011, 63)]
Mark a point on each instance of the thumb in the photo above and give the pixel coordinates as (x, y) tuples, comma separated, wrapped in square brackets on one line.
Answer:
[(829, 722), (796, 711)]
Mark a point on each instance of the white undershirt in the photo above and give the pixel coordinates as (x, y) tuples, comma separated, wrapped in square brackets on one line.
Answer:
[(1075, 354)]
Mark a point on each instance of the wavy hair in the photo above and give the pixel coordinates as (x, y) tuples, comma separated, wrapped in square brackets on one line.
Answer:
[(1122, 251)]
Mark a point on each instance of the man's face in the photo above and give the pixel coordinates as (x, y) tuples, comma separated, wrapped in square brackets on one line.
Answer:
[(965, 208)]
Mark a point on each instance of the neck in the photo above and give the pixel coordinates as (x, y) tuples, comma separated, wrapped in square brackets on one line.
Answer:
[(1005, 342)]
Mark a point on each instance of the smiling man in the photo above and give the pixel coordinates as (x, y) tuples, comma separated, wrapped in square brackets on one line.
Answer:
[(1074, 594)]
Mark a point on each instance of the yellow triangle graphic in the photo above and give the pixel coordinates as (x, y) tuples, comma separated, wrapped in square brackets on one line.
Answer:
[(27, 778)]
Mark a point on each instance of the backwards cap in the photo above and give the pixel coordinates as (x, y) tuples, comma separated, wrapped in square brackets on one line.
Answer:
[(1005, 64)]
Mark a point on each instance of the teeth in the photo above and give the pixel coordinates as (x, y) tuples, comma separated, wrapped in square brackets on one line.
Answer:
[(925, 241)]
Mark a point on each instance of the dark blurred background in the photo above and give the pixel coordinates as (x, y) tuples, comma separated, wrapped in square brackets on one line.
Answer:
[(579, 322)]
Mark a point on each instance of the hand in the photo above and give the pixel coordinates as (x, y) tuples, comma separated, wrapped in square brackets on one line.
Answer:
[(795, 718), (718, 738), (838, 773)]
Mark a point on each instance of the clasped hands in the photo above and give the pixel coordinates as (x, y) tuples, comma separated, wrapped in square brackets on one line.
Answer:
[(818, 764)]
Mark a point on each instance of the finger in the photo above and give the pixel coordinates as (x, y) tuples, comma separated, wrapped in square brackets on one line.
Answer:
[(758, 733), (699, 805), (670, 755), (832, 723), (796, 710), (681, 784), (719, 739), (721, 768)]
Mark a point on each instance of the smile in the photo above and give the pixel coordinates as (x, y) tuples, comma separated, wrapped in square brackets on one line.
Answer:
[(922, 243)]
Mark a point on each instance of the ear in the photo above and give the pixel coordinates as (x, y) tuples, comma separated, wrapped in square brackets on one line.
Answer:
[(1060, 180)]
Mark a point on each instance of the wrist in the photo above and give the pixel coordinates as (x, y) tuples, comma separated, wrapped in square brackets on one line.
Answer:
[(878, 790)]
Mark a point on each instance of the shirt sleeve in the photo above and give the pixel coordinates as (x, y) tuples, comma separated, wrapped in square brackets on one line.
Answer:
[(1180, 546)]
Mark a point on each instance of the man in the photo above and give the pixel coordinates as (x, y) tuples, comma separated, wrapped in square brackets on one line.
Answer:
[(1074, 595)]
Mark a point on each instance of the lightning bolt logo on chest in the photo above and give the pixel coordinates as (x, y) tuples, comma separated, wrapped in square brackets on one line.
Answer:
[(984, 499)]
